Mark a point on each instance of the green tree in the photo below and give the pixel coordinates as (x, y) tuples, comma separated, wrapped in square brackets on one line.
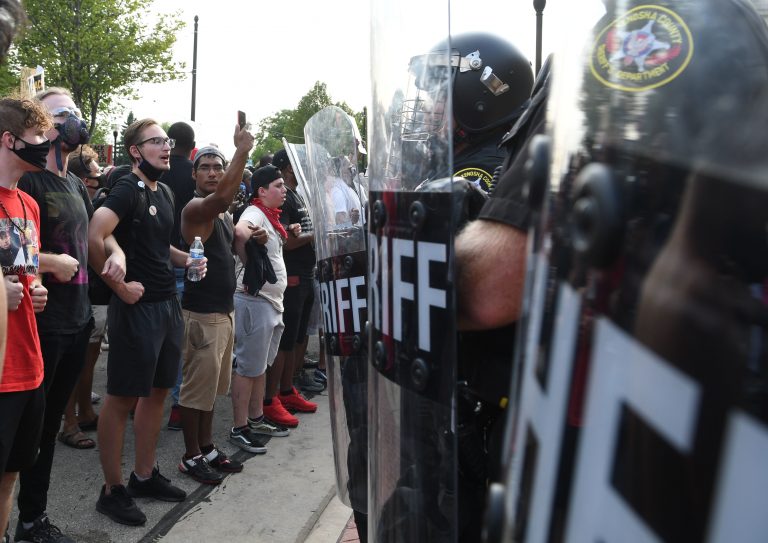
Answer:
[(289, 123), (98, 49), (268, 136)]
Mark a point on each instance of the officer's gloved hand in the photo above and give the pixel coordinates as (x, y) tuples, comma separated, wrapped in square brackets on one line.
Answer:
[(468, 198)]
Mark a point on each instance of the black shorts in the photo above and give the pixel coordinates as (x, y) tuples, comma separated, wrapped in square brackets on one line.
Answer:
[(297, 307), (20, 426), (145, 342)]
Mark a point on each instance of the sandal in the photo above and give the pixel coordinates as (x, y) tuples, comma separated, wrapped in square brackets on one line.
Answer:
[(89, 426), (77, 440)]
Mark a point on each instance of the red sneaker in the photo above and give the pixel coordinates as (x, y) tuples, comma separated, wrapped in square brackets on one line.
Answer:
[(297, 402), (278, 414)]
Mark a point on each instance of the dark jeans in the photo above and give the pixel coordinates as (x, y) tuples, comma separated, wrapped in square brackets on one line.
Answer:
[(63, 357)]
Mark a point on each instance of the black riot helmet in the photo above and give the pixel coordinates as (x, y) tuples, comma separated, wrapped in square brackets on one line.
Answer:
[(489, 84), (492, 80)]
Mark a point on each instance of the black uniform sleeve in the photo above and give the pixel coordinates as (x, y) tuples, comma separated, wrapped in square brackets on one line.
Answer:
[(508, 203)]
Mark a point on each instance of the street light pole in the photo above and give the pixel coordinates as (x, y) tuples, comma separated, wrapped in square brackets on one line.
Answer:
[(194, 71), (114, 149), (539, 6)]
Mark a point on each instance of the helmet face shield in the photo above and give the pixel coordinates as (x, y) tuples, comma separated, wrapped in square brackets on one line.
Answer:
[(423, 113)]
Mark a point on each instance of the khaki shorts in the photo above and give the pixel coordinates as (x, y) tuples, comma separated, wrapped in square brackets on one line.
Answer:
[(99, 323), (206, 358)]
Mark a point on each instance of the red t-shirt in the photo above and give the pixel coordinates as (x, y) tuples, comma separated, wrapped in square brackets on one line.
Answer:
[(19, 255)]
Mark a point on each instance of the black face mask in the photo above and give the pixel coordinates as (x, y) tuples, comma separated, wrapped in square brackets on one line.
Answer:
[(152, 173), (73, 132), (34, 154)]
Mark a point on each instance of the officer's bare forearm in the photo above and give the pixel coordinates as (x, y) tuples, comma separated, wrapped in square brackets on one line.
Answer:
[(490, 258)]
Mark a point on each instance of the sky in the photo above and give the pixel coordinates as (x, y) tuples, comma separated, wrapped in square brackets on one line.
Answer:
[(261, 58)]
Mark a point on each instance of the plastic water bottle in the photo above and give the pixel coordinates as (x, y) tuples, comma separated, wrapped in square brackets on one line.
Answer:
[(195, 253)]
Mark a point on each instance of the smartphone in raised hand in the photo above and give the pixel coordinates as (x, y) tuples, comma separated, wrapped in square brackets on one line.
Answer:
[(241, 119)]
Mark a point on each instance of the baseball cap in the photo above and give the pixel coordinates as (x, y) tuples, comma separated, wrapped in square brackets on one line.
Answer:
[(264, 176), (280, 160)]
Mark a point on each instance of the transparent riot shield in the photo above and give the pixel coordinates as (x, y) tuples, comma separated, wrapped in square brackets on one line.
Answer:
[(643, 407), (340, 243), (297, 155), (411, 302)]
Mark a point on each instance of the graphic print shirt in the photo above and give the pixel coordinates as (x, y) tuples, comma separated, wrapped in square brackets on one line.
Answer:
[(19, 256), (65, 210)]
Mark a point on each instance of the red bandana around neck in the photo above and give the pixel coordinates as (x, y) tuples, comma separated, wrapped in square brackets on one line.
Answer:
[(273, 215)]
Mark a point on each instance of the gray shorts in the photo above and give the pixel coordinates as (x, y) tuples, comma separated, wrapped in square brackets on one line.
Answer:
[(258, 328)]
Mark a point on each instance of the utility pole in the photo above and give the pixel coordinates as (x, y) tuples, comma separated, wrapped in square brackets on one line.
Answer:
[(194, 72), (539, 6)]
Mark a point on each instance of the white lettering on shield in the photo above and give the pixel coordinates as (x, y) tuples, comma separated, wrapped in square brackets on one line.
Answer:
[(388, 257), (342, 299)]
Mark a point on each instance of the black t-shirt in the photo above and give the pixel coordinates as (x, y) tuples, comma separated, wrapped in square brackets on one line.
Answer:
[(299, 261), (149, 259), (179, 178), (65, 210), (214, 292)]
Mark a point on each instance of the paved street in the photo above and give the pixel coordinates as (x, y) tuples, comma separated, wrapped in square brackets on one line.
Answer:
[(279, 497)]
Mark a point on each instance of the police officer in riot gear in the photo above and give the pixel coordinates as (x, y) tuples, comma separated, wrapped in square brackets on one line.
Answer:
[(462, 100), (491, 89), (332, 143), (642, 412)]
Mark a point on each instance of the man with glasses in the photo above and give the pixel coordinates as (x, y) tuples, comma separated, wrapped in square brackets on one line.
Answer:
[(144, 319), (65, 325)]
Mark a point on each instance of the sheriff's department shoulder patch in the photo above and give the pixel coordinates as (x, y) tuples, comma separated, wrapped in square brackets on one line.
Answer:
[(645, 48), (478, 176)]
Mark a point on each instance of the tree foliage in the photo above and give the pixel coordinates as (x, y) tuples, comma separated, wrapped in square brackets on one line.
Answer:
[(289, 123), (98, 49)]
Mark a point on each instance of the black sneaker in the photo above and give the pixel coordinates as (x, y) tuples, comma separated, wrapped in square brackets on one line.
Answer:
[(247, 440), (41, 531), (120, 507), (220, 461), (157, 487), (267, 428), (200, 471)]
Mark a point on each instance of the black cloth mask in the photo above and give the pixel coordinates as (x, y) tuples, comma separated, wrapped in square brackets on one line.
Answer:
[(31, 153), (152, 173)]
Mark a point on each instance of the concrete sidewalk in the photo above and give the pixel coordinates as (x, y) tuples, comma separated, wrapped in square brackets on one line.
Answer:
[(278, 497)]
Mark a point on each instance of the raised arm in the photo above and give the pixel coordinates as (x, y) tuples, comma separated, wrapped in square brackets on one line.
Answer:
[(198, 214)]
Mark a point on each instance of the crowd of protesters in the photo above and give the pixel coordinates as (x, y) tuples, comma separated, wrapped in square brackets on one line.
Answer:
[(89, 254)]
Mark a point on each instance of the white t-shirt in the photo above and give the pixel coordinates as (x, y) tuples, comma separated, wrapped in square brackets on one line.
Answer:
[(344, 200), (272, 293)]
